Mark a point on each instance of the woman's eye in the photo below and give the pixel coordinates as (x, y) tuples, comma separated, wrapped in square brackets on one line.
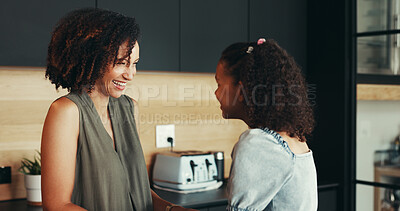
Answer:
[(122, 62)]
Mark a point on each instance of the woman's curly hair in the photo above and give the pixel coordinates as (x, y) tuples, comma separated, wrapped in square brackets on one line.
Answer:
[(84, 43), (274, 89)]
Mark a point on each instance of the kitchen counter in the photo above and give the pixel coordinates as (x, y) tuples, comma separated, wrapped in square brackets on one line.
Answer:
[(205, 201), (18, 205), (200, 200)]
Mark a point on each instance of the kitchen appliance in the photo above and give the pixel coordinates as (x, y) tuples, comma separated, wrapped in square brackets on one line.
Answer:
[(185, 170), (391, 200), (219, 161)]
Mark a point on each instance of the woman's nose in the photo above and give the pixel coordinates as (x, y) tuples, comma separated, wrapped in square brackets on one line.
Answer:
[(130, 73)]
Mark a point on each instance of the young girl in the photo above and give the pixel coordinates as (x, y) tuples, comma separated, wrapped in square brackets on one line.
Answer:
[(272, 167)]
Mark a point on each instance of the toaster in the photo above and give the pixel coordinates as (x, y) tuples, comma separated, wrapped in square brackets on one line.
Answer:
[(185, 170)]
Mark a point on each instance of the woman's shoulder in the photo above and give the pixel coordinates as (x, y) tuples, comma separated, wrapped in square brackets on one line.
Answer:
[(62, 119), (64, 105)]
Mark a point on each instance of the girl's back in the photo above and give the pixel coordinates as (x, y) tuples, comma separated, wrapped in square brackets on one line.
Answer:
[(267, 175)]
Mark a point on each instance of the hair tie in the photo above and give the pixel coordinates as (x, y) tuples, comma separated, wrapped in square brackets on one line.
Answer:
[(249, 49), (261, 41)]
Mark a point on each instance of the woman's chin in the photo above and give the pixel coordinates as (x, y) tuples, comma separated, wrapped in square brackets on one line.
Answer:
[(116, 94)]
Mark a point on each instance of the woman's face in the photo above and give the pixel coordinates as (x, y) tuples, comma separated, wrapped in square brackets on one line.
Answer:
[(114, 80), (228, 94)]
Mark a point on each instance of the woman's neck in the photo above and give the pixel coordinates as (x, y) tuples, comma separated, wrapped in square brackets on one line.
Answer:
[(100, 101)]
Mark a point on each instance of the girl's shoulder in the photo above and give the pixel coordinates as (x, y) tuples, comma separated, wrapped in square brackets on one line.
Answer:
[(257, 147), (271, 141), (261, 136), (263, 141)]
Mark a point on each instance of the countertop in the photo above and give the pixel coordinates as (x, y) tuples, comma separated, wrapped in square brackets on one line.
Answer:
[(193, 200), (18, 205), (212, 198)]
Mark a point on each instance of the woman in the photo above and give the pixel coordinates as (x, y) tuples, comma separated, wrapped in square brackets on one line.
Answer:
[(91, 154), (272, 166)]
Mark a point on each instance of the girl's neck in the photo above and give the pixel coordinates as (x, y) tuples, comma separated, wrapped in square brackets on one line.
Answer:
[(246, 120), (294, 143)]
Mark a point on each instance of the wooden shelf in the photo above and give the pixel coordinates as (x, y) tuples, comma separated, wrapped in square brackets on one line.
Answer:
[(378, 92), (383, 171)]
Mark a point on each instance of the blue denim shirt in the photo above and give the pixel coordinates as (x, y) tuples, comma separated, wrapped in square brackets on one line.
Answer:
[(267, 175)]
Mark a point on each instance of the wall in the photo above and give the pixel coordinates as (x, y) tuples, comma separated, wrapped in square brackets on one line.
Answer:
[(184, 99), (378, 123)]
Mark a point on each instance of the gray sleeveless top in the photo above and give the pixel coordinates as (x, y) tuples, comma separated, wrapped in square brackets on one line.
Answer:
[(107, 178)]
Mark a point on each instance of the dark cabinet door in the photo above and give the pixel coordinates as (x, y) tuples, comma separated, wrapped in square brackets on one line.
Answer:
[(26, 28), (327, 200), (207, 27), (284, 21), (159, 24)]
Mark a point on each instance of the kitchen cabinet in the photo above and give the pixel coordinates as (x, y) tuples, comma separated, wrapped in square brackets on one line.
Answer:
[(284, 21), (26, 28), (378, 41), (159, 25), (187, 36), (327, 197), (207, 27)]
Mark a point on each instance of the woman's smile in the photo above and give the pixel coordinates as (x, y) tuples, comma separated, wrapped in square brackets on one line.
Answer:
[(119, 84)]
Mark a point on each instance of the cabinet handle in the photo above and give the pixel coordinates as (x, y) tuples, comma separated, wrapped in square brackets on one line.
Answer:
[(397, 26)]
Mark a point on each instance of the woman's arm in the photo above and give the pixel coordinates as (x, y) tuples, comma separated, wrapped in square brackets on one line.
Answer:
[(58, 149)]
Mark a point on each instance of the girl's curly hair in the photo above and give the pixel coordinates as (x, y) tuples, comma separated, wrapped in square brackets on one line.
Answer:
[(84, 43), (274, 89)]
